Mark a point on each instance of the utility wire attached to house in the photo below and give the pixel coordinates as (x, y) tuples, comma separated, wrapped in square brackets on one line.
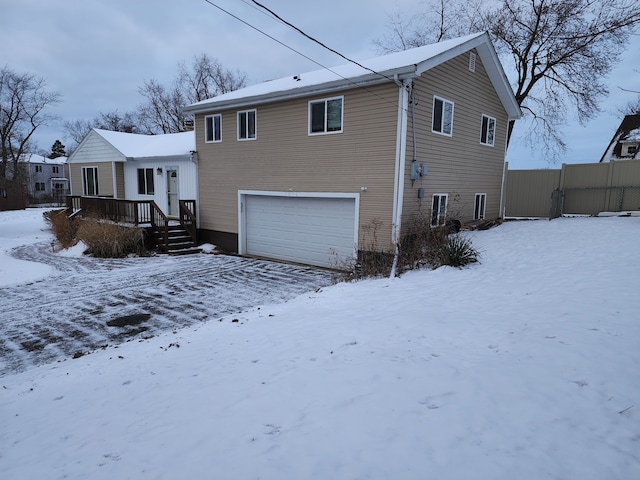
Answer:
[(355, 84), (318, 41)]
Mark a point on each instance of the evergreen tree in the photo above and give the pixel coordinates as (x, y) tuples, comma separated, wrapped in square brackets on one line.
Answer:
[(58, 150)]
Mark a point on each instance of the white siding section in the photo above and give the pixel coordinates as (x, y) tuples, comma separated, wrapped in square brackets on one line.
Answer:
[(94, 149), (187, 179)]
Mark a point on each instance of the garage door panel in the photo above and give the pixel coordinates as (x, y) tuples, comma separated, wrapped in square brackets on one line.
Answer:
[(313, 230)]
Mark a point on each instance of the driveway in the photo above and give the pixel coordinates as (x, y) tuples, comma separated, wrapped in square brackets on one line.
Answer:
[(92, 303)]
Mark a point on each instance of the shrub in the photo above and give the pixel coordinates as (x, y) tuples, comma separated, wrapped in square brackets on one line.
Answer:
[(64, 228), (110, 240), (457, 251)]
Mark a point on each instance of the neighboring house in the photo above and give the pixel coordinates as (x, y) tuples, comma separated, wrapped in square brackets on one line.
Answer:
[(625, 144), (312, 168), (12, 195), (47, 179), (128, 166)]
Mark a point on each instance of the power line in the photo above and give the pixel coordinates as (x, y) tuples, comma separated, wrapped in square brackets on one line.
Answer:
[(305, 56), (317, 41), (267, 35)]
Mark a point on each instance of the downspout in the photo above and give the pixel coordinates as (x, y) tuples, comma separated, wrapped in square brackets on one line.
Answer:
[(400, 164)]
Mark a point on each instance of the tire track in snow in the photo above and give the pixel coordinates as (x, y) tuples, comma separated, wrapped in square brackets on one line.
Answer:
[(57, 317)]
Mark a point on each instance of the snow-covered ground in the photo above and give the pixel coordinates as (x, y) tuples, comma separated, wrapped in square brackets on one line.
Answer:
[(525, 366)]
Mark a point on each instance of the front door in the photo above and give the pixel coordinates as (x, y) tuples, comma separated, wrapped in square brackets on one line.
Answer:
[(172, 193)]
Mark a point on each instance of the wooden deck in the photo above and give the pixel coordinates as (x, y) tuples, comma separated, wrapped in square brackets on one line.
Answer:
[(143, 213)]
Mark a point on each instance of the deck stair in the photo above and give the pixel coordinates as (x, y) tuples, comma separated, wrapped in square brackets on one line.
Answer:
[(178, 241)]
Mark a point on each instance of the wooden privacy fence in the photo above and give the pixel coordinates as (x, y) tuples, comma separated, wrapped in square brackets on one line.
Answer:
[(581, 189)]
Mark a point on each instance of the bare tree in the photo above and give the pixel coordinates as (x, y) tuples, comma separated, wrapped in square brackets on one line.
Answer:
[(630, 108), (76, 130), (559, 50), (23, 103), (161, 111), (206, 78), (437, 20)]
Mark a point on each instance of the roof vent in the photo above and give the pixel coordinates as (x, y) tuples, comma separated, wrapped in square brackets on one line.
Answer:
[(472, 62), (297, 78)]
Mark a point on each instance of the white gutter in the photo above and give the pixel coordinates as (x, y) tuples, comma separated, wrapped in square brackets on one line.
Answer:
[(398, 181)]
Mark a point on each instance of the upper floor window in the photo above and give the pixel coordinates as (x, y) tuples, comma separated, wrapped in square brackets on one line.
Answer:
[(442, 116), (145, 181), (325, 116), (213, 128), (38, 168), (56, 169), (247, 125), (488, 130)]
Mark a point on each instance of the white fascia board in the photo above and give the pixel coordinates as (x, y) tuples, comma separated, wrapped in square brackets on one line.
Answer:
[(312, 90)]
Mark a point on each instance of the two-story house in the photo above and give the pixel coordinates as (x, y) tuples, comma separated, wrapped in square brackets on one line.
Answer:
[(48, 179), (313, 167)]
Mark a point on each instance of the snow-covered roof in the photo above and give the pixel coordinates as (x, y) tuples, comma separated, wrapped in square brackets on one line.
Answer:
[(387, 68), (133, 145), (632, 137), (33, 158), (627, 132)]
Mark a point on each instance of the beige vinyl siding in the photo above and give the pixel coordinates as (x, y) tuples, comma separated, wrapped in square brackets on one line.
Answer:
[(458, 165), (105, 178), (120, 180), (285, 158)]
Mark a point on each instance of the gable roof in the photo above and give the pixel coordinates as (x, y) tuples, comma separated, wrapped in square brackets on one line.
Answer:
[(628, 132), (393, 67), (133, 145)]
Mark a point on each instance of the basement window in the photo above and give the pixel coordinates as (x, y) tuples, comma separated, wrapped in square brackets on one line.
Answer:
[(480, 206), (439, 209)]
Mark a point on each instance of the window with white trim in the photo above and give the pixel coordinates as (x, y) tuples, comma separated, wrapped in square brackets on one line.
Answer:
[(39, 186), (56, 169), (439, 209), (442, 116), (145, 181), (247, 125), (90, 181), (488, 130), (213, 128), (480, 206), (38, 168), (325, 116)]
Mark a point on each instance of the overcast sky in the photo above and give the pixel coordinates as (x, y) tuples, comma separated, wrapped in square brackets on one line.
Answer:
[(97, 53)]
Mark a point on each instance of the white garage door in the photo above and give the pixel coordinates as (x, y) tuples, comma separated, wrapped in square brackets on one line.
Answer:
[(312, 230)]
